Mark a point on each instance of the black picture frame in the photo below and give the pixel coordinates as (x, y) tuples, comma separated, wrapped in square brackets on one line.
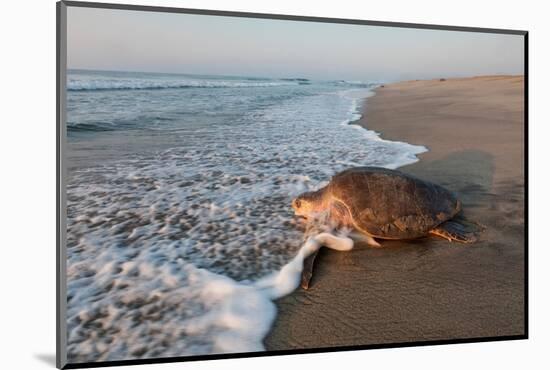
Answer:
[(61, 69)]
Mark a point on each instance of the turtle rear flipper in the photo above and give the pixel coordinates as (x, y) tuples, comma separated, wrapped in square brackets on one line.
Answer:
[(461, 231)]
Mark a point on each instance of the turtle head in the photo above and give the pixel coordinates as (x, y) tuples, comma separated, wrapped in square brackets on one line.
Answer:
[(307, 204)]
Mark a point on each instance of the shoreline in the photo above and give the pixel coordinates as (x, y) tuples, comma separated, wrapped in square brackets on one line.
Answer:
[(429, 289)]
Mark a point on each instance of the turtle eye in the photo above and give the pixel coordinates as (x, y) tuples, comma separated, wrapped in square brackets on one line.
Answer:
[(297, 203)]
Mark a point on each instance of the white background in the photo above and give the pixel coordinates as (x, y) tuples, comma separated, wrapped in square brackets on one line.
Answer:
[(27, 181)]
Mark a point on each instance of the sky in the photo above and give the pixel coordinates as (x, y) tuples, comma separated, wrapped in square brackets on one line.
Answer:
[(125, 40)]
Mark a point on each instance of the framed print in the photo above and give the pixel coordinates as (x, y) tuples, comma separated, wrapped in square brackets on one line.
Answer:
[(237, 184)]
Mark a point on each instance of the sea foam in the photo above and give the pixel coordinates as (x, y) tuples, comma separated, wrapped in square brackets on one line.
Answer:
[(180, 250), (189, 310)]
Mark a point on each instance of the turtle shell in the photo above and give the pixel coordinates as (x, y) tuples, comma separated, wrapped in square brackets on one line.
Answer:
[(389, 204)]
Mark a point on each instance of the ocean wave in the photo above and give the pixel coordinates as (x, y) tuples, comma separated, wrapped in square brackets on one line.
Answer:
[(356, 84), (181, 251), (90, 127), (142, 122), (145, 84)]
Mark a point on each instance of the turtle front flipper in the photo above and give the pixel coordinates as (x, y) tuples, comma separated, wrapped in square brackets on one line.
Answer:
[(461, 231), (307, 271)]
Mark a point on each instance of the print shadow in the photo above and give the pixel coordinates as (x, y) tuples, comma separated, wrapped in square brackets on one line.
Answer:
[(46, 358)]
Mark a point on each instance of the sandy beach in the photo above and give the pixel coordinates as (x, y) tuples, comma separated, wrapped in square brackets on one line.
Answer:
[(430, 289)]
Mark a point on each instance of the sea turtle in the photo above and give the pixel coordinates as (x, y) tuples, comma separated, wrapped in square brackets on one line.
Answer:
[(385, 204)]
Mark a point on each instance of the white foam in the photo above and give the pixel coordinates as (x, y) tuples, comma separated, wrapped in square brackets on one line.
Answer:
[(214, 312), (171, 259), (287, 279), (245, 311)]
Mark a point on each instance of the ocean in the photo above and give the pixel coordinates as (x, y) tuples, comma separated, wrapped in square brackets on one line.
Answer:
[(179, 227)]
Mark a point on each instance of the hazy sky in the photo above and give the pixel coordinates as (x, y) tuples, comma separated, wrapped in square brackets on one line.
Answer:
[(166, 42)]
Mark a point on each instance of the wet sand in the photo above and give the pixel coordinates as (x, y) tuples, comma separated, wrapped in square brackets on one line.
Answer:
[(430, 289)]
